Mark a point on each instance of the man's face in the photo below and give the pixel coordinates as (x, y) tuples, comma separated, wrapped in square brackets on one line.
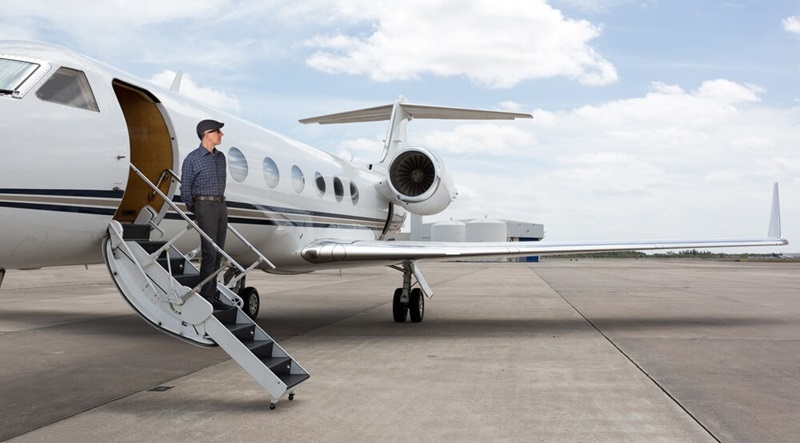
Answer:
[(215, 136)]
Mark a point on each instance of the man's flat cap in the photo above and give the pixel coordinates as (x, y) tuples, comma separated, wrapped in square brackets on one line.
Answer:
[(208, 125)]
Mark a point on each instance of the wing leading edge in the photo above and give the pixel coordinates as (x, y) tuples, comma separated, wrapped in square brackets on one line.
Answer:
[(329, 251), (333, 251)]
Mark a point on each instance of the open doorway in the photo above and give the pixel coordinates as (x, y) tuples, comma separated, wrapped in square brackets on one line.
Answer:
[(151, 151)]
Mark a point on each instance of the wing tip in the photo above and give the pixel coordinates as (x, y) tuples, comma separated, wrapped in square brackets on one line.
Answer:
[(774, 230)]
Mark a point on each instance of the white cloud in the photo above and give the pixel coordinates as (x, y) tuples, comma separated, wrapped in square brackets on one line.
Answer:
[(669, 110), (600, 5), (511, 106), (89, 13), (728, 92), (19, 29), (641, 167), (181, 32), (792, 24), (486, 139), (493, 44), (190, 88), (360, 151), (728, 175)]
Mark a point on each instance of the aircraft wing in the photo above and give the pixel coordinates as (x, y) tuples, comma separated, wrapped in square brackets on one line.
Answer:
[(325, 251), (331, 251)]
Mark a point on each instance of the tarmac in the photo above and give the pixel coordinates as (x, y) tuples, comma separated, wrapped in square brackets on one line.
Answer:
[(561, 350)]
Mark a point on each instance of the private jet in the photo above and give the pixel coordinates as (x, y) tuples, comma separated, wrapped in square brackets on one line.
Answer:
[(90, 175)]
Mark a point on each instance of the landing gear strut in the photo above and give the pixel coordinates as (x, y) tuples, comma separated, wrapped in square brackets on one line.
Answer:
[(408, 300), (2, 276)]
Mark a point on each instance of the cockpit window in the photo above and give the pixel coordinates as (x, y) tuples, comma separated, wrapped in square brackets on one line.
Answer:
[(13, 74), (68, 87)]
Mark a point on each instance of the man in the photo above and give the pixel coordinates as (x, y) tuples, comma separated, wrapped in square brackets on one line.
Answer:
[(203, 191)]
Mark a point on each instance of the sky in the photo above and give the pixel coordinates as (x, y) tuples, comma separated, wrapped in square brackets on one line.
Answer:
[(652, 118)]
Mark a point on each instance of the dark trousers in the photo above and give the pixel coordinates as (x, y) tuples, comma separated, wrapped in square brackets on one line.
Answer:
[(212, 217)]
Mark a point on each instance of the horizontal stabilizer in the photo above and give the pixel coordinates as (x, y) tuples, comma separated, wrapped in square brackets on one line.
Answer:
[(381, 113)]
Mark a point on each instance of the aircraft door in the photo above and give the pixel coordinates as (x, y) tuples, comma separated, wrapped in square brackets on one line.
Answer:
[(152, 151)]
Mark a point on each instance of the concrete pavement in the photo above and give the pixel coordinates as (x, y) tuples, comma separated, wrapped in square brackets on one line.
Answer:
[(561, 350)]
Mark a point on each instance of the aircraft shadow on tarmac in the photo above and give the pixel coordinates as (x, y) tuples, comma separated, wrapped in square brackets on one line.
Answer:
[(336, 325), (77, 322), (359, 326)]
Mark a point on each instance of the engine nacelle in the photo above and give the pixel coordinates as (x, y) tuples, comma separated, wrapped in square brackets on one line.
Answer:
[(417, 180)]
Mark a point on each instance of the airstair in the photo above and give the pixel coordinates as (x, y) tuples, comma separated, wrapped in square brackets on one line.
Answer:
[(162, 285)]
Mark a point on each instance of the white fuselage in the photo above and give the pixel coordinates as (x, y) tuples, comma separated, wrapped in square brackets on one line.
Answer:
[(65, 172)]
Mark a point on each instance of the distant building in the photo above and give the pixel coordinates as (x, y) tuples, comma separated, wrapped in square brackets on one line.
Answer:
[(477, 230)]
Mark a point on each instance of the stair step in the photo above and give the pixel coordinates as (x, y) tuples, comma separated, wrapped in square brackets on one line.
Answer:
[(176, 263), (151, 246), (263, 358), (188, 280), (243, 331), (278, 365), (261, 348), (226, 316), (292, 380), (135, 232)]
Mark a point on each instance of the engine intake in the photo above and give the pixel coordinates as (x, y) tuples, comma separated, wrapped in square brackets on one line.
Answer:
[(412, 173), (418, 181)]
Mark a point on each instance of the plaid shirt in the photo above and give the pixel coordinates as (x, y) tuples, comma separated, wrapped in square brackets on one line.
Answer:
[(203, 173)]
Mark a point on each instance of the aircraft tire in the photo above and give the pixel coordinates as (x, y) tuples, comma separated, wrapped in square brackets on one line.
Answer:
[(416, 305), (252, 301), (399, 310)]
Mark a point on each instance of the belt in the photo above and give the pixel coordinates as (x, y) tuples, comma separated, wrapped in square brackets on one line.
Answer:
[(210, 198)]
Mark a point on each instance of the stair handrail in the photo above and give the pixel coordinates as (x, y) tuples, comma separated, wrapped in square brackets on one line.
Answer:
[(261, 257), (161, 178), (235, 232), (193, 225), (186, 217)]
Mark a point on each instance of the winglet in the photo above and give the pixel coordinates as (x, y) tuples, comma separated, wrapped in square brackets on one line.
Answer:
[(775, 215)]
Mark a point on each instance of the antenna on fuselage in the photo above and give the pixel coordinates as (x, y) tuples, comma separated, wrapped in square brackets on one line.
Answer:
[(176, 82)]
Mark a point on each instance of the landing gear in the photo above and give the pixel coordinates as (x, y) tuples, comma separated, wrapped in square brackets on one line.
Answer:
[(399, 309), (409, 300), (249, 294), (252, 302), (2, 276), (416, 305)]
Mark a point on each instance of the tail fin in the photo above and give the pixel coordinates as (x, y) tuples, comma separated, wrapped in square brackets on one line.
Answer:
[(775, 215)]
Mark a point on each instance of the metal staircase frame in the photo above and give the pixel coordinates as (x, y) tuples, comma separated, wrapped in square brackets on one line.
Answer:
[(143, 272), (191, 225)]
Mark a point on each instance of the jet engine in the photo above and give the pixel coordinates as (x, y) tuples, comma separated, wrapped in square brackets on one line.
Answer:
[(417, 180)]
